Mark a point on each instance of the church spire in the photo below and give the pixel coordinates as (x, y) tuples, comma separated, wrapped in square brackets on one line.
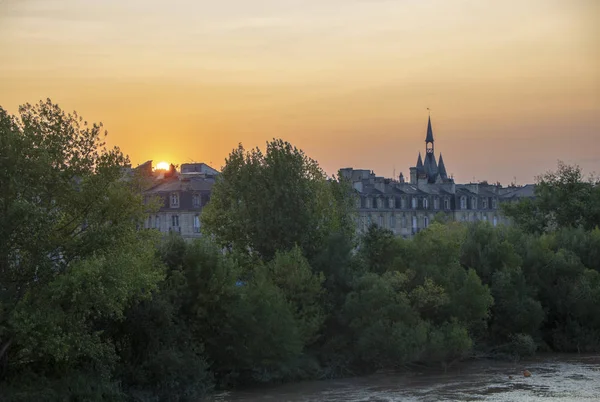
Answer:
[(429, 138), (419, 162)]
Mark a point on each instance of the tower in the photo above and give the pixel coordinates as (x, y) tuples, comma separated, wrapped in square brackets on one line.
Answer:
[(429, 138), (429, 164)]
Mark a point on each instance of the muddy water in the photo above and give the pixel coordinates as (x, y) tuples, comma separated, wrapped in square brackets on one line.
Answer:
[(553, 378)]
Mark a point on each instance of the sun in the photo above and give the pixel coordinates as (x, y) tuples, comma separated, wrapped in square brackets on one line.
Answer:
[(162, 166)]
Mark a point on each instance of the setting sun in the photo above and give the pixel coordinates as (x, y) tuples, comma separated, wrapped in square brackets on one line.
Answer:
[(162, 166)]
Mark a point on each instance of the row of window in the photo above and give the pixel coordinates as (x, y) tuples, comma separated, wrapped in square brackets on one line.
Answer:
[(425, 203), (174, 200), (391, 224), (173, 223)]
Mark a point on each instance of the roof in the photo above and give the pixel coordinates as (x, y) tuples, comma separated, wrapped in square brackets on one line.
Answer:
[(442, 168), (192, 184), (527, 191), (419, 162)]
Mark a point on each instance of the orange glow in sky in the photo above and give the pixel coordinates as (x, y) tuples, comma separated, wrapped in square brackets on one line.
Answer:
[(512, 85)]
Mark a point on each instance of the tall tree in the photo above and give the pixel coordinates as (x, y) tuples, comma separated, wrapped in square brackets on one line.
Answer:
[(564, 198), (71, 256), (268, 202)]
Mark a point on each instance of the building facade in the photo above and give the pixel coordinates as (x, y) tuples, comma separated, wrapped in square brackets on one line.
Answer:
[(181, 197), (406, 208)]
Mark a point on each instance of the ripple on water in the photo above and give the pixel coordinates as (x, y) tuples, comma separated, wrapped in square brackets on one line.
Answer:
[(552, 380)]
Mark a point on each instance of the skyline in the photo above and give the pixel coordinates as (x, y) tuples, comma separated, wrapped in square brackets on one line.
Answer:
[(512, 86)]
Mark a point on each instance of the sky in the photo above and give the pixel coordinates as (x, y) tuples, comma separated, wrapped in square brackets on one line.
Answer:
[(512, 86)]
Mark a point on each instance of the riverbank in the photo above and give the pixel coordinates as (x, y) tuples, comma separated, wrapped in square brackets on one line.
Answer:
[(554, 378)]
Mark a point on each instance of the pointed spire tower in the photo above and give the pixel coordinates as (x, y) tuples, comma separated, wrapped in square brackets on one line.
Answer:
[(442, 168), (419, 163), (430, 165), (429, 137)]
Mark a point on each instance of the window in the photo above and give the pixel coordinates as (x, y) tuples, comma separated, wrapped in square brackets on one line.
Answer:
[(149, 225), (414, 202), (196, 223), (473, 203), (174, 200), (392, 222), (436, 203), (157, 222), (368, 203), (358, 202), (463, 202), (425, 221), (369, 221), (381, 221), (403, 222), (175, 220), (485, 218), (495, 221), (196, 200), (446, 203), (484, 203), (379, 203), (392, 202), (425, 203), (494, 205), (414, 222), (403, 202)]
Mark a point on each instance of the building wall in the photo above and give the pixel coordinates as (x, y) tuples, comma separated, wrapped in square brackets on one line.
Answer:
[(405, 214)]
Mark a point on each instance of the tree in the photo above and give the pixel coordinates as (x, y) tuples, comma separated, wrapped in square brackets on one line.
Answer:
[(562, 199), (264, 203), (71, 257)]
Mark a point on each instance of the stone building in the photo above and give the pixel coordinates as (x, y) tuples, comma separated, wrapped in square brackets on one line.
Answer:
[(405, 208), (181, 197)]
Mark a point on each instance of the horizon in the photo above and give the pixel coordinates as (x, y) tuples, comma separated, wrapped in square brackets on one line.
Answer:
[(513, 87)]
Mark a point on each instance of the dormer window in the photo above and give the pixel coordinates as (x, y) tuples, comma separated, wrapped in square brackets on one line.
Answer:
[(463, 202), (174, 200)]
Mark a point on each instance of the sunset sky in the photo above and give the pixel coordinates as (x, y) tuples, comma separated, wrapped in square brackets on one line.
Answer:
[(512, 85)]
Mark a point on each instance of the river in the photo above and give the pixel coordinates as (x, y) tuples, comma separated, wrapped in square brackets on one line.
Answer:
[(553, 378)]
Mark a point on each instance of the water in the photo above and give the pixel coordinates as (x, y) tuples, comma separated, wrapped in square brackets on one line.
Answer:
[(553, 378)]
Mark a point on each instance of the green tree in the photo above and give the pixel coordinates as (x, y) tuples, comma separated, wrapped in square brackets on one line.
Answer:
[(71, 257), (303, 290), (268, 202), (562, 199)]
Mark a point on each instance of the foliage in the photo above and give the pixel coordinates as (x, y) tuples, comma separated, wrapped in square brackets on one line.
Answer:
[(71, 257), (264, 203), (563, 199), (93, 308)]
